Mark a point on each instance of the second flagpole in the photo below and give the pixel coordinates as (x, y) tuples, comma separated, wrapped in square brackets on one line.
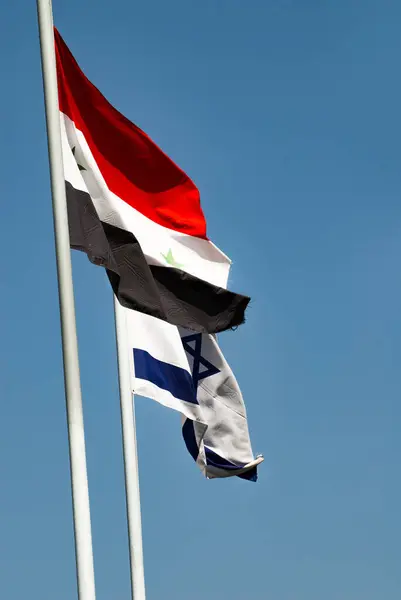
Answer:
[(130, 457)]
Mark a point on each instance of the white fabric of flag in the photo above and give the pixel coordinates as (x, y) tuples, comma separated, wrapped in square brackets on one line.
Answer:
[(187, 372)]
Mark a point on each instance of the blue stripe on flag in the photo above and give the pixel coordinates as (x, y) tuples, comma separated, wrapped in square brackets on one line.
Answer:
[(215, 460), (188, 433), (168, 377)]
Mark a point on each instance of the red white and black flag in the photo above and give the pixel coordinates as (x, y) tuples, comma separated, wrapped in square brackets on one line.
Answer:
[(134, 212)]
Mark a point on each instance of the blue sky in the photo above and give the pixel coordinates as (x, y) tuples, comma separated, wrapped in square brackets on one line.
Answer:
[(286, 115)]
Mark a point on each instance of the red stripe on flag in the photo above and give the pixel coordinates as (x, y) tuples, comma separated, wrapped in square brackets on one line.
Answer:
[(134, 168)]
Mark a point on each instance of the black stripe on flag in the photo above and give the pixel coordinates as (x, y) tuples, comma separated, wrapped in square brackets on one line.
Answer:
[(163, 292)]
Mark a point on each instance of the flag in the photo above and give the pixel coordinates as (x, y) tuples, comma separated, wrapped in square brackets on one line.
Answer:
[(187, 372), (134, 212)]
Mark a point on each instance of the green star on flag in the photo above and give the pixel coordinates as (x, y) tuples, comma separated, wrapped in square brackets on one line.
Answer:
[(170, 260), (80, 167)]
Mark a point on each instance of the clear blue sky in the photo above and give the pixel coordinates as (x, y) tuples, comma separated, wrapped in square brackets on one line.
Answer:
[(286, 113)]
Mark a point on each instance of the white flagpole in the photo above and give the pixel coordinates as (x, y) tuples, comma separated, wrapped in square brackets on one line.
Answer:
[(79, 480), (130, 457)]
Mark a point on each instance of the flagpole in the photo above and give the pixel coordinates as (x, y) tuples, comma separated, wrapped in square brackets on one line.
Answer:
[(130, 457), (79, 480)]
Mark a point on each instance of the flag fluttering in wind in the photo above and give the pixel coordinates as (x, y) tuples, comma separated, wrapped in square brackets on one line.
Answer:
[(187, 371), (134, 212)]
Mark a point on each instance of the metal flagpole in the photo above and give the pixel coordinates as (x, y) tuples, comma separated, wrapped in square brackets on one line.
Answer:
[(130, 457), (79, 481)]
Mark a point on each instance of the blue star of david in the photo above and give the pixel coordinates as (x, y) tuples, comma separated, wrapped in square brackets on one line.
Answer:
[(196, 353)]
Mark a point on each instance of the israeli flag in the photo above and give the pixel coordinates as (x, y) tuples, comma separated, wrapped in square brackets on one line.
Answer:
[(187, 372)]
